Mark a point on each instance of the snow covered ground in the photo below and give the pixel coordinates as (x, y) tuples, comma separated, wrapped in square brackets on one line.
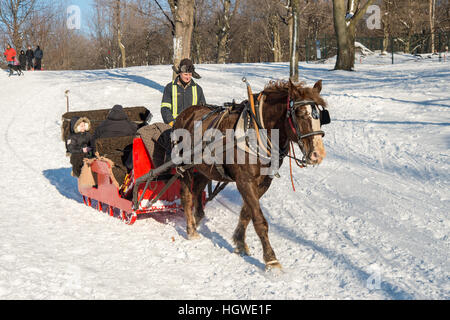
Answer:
[(371, 222)]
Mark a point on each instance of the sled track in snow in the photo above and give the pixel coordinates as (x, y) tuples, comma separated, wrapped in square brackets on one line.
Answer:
[(6, 136)]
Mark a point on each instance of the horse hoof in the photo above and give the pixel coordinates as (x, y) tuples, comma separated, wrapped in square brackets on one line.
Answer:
[(273, 265), (243, 251), (198, 220), (193, 236)]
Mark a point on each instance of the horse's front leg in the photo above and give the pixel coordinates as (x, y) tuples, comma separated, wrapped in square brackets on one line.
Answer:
[(250, 195), (200, 182), (245, 217), (186, 200)]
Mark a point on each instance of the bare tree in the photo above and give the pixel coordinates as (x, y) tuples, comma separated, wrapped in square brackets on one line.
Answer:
[(118, 30), (202, 38), (183, 16), (225, 16), (272, 28), (182, 22), (432, 9), (407, 21), (346, 14), (386, 20), (294, 7), (13, 14)]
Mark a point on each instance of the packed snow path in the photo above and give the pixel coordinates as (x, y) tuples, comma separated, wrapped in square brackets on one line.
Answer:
[(371, 222)]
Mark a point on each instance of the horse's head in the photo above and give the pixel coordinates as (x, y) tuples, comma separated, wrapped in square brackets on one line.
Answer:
[(306, 114)]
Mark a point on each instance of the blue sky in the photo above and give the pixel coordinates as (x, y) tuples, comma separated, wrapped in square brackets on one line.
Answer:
[(85, 5)]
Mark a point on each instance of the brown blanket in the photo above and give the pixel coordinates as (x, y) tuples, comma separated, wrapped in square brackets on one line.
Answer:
[(156, 138)]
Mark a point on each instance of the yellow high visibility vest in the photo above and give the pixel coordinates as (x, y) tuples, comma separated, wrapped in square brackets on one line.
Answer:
[(175, 100)]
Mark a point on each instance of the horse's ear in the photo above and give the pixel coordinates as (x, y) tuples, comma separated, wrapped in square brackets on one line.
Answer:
[(318, 86)]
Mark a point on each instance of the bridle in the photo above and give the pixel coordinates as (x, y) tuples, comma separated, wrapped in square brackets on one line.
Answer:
[(316, 113)]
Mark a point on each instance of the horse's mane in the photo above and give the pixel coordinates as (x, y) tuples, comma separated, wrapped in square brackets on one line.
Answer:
[(278, 91)]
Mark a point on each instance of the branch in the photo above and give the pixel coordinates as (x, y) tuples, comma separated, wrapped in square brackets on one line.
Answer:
[(360, 12), (165, 14)]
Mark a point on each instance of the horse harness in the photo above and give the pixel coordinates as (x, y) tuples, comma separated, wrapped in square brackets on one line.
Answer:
[(322, 115), (247, 116)]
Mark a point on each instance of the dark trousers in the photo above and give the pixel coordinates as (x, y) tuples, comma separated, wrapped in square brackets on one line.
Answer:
[(76, 159), (38, 64), (29, 64)]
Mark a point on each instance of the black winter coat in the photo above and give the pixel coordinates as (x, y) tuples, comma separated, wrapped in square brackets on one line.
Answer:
[(22, 59), (185, 98), (116, 125), (78, 140), (29, 54), (38, 54)]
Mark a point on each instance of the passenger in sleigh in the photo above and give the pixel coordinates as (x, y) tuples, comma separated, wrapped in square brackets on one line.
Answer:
[(79, 143), (113, 139), (115, 125)]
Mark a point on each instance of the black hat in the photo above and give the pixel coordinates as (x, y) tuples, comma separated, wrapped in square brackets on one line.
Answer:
[(187, 66)]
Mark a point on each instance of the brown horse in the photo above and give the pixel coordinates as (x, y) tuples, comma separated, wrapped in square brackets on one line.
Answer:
[(290, 108)]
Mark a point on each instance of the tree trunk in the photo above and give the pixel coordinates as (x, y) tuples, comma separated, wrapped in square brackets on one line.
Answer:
[(432, 13), (385, 39), (386, 27), (117, 13), (197, 56), (294, 41), (277, 51), (345, 41), (345, 21), (276, 40), (183, 15), (223, 29)]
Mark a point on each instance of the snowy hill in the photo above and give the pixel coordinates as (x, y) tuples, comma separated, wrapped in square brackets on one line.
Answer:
[(371, 222)]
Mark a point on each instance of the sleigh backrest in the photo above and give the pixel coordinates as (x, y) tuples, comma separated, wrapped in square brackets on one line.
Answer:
[(139, 115)]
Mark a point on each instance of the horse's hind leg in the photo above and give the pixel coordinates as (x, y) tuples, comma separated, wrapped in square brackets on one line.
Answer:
[(200, 182), (186, 200), (239, 232)]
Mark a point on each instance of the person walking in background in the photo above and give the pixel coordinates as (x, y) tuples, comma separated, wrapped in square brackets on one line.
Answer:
[(22, 60), (10, 55), (38, 55), (30, 56)]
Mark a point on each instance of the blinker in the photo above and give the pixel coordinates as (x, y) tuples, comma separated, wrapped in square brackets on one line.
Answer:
[(324, 117)]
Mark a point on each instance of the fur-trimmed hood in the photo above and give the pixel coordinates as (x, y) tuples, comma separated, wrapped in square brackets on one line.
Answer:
[(75, 122)]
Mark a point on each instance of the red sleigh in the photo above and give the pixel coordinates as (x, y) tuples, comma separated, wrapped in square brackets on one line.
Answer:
[(109, 197)]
